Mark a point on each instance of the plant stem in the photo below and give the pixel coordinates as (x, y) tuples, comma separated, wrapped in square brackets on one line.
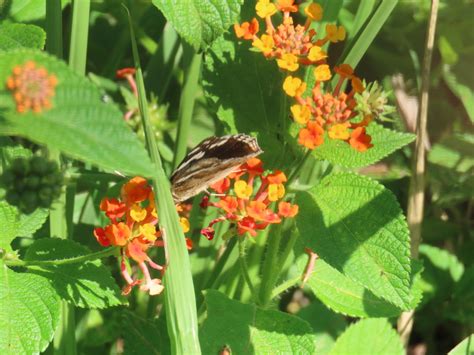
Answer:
[(54, 25), (78, 259), (180, 301), (285, 286), (269, 274), (416, 193), (186, 103), (243, 267), (64, 339)]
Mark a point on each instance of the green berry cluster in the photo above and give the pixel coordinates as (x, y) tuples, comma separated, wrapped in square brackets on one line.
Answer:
[(32, 183)]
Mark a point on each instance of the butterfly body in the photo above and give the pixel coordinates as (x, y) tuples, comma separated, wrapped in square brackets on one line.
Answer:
[(212, 160)]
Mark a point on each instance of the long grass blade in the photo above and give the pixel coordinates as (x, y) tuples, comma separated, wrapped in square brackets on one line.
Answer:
[(180, 303)]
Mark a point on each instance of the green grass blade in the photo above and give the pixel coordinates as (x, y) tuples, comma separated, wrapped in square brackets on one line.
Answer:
[(180, 303), (79, 35), (361, 42), (363, 12)]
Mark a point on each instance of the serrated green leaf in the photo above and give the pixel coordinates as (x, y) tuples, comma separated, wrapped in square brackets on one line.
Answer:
[(30, 223), (466, 347), (369, 336), (16, 35), (29, 312), (252, 330), (254, 103), (200, 22), (385, 142), (79, 124), (356, 225), (88, 284), (9, 224), (327, 325), (343, 295)]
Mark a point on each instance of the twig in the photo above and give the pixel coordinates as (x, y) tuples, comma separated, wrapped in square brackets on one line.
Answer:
[(417, 181)]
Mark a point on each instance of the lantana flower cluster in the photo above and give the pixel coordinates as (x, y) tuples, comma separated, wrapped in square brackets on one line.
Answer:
[(133, 228), (332, 112), (250, 206), (322, 113), (32, 87)]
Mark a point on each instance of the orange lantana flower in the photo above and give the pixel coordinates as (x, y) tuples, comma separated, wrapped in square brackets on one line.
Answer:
[(32, 87)]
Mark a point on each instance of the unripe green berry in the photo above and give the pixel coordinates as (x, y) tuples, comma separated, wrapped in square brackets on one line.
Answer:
[(39, 165)]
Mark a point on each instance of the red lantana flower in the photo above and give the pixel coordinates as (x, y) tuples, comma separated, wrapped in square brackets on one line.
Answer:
[(248, 204), (133, 228)]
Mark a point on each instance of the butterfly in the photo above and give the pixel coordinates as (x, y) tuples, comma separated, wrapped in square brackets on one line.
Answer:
[(212, 160)]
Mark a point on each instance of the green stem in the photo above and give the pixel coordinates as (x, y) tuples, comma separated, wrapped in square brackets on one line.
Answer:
[(78, 259), (269, 276), (54, 24), (243, 266), (186, 103), (64, 338), (285, 286), (211, 282)]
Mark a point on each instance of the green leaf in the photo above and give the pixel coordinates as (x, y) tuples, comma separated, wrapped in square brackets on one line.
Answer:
[(79, 124), (9, 224), (16, 35), (343, 295), (327, 325), (356, 225), (466, 347), (442, 271), (88, 284), (30, 223), (200, 22), (255, 103), (251, 329), (369, 336), (385, 142), (29, 312)]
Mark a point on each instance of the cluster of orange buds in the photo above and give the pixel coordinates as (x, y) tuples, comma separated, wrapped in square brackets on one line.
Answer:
[(32, 87), (248, 210), (133, 228), (291, 45), (332, 112)]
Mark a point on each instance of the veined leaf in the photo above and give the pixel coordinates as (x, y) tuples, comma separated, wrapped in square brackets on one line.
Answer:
[(87, 285), (199, 22), (346, 296), (9, 224), (79, 124), (385, 142), (356, 226), (30, 223), (369, 336), (29, 312), (16, 35), (253, 330)]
